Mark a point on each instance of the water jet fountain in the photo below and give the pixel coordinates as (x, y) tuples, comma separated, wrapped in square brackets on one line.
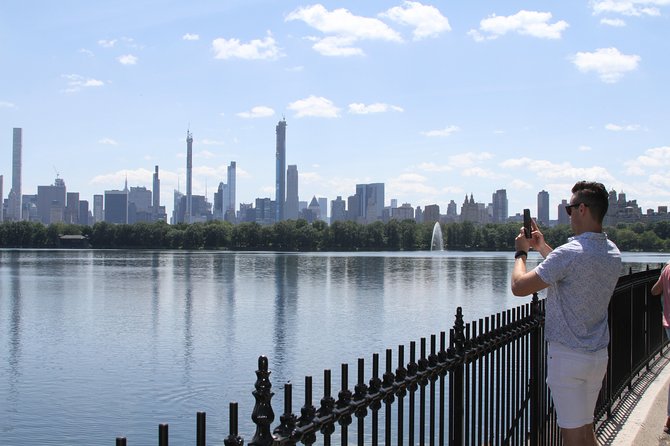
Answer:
[(436, 242)]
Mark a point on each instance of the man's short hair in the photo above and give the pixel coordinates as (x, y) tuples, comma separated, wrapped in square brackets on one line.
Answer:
[(594, 195)]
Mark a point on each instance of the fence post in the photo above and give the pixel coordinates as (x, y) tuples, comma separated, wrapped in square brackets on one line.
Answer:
[(456, 377), (233, 439), (537, 381), (262, 415), (200, 430)]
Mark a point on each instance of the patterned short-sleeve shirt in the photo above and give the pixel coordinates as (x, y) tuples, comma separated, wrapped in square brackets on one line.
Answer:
[(581, 275)]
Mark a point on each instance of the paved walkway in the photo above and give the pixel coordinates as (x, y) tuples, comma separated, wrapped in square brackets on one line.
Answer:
[(641, 414)]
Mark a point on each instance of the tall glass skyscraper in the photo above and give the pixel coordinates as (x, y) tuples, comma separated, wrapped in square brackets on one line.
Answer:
[(14, 198), (189, 177), (280, 172), (543, 207), (291, 210)]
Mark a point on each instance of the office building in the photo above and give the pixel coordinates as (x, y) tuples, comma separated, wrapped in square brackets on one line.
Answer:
[(404, 212), (563, 217), (98, 213), (543, 207), (291, 208), (116, 206), (83, 213), (72, 208), (189, 177), (219, 201), (140, 205), (265, 211), (230, 197), (156, 189), (499, 204), (2, 205), (280, 170), (51, 201), (370, 202), (338, 210), (14, 207), (177, 211), (323, 206), (431, 213)]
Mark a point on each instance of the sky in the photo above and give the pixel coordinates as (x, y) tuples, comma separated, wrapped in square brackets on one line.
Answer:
[(436, 99)]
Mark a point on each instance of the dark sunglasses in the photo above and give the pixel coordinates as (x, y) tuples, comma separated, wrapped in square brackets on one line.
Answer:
[(568, 207)]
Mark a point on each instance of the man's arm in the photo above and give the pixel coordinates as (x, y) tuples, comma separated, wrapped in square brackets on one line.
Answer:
[(657, 289), (525, 282)]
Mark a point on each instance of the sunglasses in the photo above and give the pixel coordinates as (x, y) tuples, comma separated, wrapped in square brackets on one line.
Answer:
[(568, 207)]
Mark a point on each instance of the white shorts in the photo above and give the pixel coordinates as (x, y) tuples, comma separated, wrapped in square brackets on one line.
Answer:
[(575, 378)]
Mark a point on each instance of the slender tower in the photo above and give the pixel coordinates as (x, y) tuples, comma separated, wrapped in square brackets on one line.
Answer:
[(156, 202), (14, 200), (189, 177), (280, 185), (232, 180)]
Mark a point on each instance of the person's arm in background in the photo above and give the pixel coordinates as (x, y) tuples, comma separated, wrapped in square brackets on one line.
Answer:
[(657, 289)]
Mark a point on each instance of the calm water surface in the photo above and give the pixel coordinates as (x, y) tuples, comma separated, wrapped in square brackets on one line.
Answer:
[(100, 344)]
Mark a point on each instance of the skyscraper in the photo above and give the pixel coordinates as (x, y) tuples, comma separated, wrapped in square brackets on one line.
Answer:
[(98, 214), (370, 201), (291, 209), (500, 206), (116, 206), (189, 177), (280, 171), (543, 207), (14, 198), (229, 196), (2, 207), (51, 201), (156, 204)]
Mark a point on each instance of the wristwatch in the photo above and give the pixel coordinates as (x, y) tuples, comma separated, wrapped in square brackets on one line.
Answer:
[(520, 253)]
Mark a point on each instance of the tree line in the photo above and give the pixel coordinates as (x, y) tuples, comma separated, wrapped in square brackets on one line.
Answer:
[(299, 235)]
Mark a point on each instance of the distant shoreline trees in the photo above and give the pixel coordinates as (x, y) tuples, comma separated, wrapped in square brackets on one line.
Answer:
[(301, 236)]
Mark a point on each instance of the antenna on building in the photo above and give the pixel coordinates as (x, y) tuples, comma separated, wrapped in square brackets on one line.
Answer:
[(56, 170)]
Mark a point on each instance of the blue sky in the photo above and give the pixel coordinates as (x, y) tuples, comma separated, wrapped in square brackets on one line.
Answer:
[(435, 99)]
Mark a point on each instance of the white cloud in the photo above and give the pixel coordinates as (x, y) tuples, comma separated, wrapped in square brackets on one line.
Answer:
[(609, 63), (260, 111), (5, 104), (189, 36), (653, 159), (426, 20), (622, 128), (629, 7), (342, 29), (377, 107), (264, 49), (549, 170), (76, 83), (480, 172), (314, 106), (410, 183), (108, 141), (468, 159), (584, 148), (115, 180), (447, 131), (432, 167), (87, 52), (107, 43), (127, 59), (521, 185), (529, 23), (613, 22)]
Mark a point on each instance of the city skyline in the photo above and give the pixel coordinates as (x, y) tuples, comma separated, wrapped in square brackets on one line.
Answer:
[(435, 101)]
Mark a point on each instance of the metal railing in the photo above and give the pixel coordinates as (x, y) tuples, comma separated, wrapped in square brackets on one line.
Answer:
[(486, 386)]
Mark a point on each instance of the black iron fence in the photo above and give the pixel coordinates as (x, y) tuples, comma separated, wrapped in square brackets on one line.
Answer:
[(482, 383)]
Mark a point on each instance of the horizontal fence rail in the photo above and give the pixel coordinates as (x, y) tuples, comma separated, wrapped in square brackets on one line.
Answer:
[(483, 382)]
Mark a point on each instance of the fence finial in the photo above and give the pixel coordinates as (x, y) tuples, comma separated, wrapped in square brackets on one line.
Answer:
[(262, 415)]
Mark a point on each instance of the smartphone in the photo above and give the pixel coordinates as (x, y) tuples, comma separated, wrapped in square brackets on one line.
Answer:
[(527, 228)]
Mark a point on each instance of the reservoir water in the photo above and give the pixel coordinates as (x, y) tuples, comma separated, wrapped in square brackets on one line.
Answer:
[(100, 344)]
